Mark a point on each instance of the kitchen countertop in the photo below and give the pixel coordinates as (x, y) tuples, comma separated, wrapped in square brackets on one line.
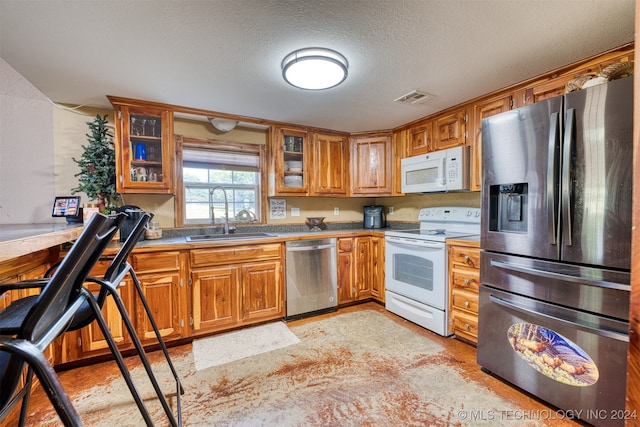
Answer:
[(471, 241), (22, 239), (169, 243)]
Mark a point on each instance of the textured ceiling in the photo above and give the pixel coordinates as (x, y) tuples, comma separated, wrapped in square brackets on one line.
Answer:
[(225, 55)]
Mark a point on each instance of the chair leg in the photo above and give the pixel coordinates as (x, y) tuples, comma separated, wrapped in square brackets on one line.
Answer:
[(161, 342), (119, 359), (165, 351), (48, 378), (25, 400), (143, 357)]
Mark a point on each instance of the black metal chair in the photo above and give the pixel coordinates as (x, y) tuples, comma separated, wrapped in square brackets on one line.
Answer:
[(90, 310), (29, 325), (113, 278)]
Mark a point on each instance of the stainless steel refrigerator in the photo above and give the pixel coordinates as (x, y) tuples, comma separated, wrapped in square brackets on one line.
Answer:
[(556, 240)]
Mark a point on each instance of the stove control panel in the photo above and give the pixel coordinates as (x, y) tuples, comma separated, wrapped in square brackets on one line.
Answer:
[(453, 214)]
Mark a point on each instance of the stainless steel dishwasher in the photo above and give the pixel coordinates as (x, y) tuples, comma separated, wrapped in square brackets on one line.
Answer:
[(312, 278)]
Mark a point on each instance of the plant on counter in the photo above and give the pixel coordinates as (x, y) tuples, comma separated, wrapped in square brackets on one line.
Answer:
[(97, 176)]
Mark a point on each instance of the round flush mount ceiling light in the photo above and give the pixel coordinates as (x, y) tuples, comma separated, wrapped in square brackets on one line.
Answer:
[(314, 68)]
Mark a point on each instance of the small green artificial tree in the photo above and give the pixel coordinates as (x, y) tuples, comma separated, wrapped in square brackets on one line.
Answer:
[(97, 176)]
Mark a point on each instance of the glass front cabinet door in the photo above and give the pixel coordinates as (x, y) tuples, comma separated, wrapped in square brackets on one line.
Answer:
[(288, 174), (144, 150)]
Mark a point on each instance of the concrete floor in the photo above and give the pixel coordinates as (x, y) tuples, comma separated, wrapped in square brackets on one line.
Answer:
[(465, 360)]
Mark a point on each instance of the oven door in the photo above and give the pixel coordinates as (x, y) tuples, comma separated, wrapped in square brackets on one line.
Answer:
[(416, 269), (572, 359)]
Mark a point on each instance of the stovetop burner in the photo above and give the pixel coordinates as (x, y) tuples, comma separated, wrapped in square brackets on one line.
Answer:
[(439, 224)]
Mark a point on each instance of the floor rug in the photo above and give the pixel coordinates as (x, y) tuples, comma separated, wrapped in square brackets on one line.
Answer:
[(225, 348), (363, 368)]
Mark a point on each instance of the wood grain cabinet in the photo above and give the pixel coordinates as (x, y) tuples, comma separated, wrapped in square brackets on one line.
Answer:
[(464, 285), (360, 269), (372, 165), (354, 283), (377, 268), (481, 110), (420, 139), (450, 129), (553, 84), (330, 165), (144, 145), (28, 267), (400, 143), (89, 341), (236, 286), (289, 162), (162, 278)]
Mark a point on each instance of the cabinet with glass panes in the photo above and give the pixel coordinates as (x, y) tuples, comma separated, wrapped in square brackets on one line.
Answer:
[(288, 167), (144, 147)]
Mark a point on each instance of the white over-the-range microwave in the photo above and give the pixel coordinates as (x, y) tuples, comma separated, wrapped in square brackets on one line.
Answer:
[(438, 171)]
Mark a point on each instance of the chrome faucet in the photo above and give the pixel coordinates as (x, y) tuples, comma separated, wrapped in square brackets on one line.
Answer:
[(226, 208)]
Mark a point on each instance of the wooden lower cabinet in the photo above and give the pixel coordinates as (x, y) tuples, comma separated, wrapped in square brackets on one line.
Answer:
[(161, 277), (28, 267), (464, 285), (199, 291), (236, 286), (377, 268), (360, 269), (262, 291), (164, 296), (215, 298), (346, 274)]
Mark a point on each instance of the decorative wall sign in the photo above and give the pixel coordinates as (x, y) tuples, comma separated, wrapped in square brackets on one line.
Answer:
[(277, 209), (552, 355)]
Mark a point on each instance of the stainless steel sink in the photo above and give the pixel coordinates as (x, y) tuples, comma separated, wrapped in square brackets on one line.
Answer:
[(232, 236)]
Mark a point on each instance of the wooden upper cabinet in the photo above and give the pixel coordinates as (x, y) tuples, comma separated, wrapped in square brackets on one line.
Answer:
[(450, 129), (420, 139), (400, 148), (553, 84), (289, 162), (372, 165), (144, 146), (481, 110), (330, 165)]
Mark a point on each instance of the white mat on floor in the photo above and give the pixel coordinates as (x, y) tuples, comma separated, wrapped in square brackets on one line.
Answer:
[(224, 348)]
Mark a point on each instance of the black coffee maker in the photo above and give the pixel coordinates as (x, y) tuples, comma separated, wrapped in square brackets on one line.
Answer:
[(133, 216), (374, 217)]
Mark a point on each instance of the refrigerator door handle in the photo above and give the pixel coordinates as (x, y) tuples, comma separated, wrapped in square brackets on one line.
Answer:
[(559, 276), (566, 177), (573, 322), (551, 178)]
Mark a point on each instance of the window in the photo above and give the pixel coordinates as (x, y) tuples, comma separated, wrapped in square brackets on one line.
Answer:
[(209, 173)]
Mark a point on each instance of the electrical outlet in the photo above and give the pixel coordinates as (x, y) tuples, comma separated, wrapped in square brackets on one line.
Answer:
[(295, 211), (390, 210), (336, 211)]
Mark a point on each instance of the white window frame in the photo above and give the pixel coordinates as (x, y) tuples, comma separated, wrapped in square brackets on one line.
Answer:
[(189, 143)]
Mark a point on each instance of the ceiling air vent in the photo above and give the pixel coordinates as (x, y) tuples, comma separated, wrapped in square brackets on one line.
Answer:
[(414, 97)]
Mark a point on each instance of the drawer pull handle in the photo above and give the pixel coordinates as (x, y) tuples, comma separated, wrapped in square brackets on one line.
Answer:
[(467, 326), (466, 304), (467, 282)]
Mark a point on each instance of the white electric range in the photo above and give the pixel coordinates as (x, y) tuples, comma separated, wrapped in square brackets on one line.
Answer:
[(416, 265)]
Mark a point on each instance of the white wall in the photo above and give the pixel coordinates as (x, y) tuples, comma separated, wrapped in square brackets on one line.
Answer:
[(27, 173)]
